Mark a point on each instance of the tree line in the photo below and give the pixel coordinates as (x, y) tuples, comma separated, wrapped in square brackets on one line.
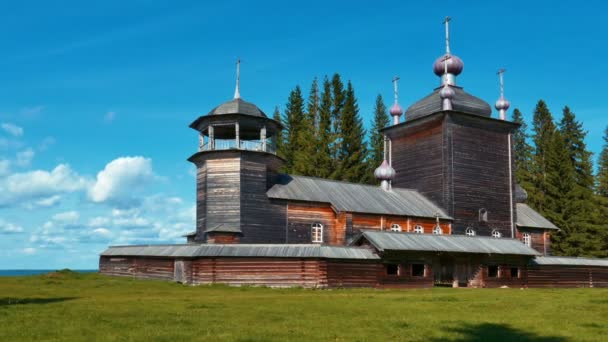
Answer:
[(553, 164), (324, 135)]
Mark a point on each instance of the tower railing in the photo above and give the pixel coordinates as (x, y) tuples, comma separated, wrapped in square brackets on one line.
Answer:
[(231, 144)]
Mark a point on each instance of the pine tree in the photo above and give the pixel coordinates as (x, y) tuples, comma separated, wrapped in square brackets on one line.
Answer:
[(324, 161), (305, 156), (574, 138), (353, 152), (338, 98), (279, 139), (523, 152), (602, 174), (544, 129), (381, 120), (294, 116)]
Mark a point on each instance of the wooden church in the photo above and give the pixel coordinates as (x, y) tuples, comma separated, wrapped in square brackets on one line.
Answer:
[(448, 211)]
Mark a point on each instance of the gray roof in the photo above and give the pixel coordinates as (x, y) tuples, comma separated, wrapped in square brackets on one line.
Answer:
[(242, 250), (222, 228), (237, 106), (528, 218), (394, 241), (190, 234), (521, 195), (358, 198), (569, 261), (462, 102)]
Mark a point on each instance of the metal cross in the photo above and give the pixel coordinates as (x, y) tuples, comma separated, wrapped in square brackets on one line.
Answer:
[(446, 22), (395, 79), (500, 73)]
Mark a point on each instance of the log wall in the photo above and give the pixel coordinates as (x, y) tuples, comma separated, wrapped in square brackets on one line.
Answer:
[(145, 268), (567, 276)]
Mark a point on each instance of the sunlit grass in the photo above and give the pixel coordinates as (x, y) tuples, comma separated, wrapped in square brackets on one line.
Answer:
[(69, 306)]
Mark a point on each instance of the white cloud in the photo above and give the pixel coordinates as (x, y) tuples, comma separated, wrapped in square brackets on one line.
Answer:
[(109, 116), (24, 158), (48, 201), (67, 217), (28, 250), (120, 178), (98, 221), (12, 129), (37, 184), (5, 167), (9, 228)]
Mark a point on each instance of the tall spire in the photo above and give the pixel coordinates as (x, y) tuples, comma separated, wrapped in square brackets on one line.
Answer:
[(396, 110), (446, 22), (448, 66), (502, 104), (237, 91)]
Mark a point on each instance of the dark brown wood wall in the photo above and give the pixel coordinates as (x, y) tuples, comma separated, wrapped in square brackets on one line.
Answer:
[(352, 274), (418, 160), (262, 221), (541, 239), (479, 168), (144, 268), (223, 195), (301, 217), (567, 276)]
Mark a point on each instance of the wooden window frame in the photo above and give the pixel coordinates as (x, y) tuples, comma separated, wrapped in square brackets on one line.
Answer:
[(496, 234), (470, 232), (526, 238), (418, 229), (317, 232), (395, 227)]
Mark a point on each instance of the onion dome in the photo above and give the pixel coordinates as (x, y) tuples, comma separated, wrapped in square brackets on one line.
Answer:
[(447, 92), (384, 172), (455, 65), (396, 110), (521, 195), (502, 104)]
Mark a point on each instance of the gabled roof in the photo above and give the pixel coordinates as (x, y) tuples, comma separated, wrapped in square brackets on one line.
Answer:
[(528, 218), (357, 198), (462, 102), (569, 261), (395, 241), (242, 250)]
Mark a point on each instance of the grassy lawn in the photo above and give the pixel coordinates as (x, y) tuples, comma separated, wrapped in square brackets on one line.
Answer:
[(86, 307)]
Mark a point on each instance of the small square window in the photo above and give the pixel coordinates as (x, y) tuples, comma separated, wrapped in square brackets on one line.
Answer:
[(514, 272), (392, 269), (492, 271), (417, 270)]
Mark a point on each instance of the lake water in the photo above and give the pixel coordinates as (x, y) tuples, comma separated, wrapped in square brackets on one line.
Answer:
[(13, 273)]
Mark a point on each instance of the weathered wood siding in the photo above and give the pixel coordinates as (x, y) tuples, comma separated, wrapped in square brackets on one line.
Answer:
[(145, 268), (418, 160), (541, 240), (262, 221), (302, 215), (273, 272), (351, 274), (405, 279), (461, 163), (223, 195), (478, 174), (567, 276)]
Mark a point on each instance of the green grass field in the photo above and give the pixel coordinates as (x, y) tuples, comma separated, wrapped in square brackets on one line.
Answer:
[(87, 307)]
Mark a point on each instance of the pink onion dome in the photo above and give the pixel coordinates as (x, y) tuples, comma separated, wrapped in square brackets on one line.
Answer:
[(384, 172), (396, 110), (455, 65), (502, 104)]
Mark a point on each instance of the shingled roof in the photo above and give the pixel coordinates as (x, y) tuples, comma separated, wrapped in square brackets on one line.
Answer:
[(357, 198), (462, 102), (242, 250), (397, 241), (237, 106), (528, 218)]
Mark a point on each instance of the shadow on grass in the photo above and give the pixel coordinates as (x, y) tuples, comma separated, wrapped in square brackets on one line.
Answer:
[(7, 301), (497, 332)]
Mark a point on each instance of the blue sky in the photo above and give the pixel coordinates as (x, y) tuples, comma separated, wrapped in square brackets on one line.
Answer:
[(96, 97)]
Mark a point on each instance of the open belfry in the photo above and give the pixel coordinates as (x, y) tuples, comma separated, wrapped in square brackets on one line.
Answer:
[(447, 211)]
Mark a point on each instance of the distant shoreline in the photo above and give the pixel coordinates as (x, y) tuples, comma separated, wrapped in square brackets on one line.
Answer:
[(16, 273)]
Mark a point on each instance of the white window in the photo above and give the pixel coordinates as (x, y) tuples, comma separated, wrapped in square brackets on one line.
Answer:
[(418, 230), (527, 239), (470, 232), (496, 234), (437, 230), (395, 227), (317, 233)]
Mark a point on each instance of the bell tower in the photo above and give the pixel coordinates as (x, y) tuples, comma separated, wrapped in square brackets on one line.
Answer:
[(236, 164)]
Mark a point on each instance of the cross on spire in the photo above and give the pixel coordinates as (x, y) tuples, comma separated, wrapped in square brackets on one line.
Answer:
[(396, 91), (446, 22), (500, 73), (237, 91)]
